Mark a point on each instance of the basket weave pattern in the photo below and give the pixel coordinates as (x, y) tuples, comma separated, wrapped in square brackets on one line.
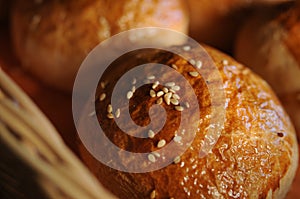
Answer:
[(34, 161)]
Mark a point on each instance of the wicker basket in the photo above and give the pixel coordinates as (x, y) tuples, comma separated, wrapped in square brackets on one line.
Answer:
[(34, 162)]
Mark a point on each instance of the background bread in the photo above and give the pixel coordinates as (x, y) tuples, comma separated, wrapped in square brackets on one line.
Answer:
[(255, 157), (51, 38), (269, 43), (216, 22)]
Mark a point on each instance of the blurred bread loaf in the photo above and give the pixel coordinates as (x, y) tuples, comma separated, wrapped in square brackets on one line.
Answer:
[(51, 38), (216, 22)]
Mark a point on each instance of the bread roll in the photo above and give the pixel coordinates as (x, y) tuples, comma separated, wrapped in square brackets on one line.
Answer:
[(269, 43), (215, 22), (51, 38), (256, 155)]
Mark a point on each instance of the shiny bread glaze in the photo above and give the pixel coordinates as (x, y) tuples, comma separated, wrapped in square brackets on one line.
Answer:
[(255, 157), (268, 44)]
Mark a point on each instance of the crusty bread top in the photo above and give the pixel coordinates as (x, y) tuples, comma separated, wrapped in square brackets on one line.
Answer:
[(256, 155), (53, 37)]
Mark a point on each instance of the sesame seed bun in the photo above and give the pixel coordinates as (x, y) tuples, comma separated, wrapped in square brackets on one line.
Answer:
[(256, 155)]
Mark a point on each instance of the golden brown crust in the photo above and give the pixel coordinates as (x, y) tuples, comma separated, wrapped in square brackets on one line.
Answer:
[(52, 38), (291, 103), (255, 157), (273, 37)]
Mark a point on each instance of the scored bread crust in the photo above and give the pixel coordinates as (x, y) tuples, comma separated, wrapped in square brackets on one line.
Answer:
[(256, 155), (52, 38)]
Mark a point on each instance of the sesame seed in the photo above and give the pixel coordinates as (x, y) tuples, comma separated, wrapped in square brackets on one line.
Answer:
[(165, 89), (129, 94), (175, 133), (225, 62), (167, 98), (177, 138), (161, 143), (110, 115), (179, 108), (187, 105), (159, 101), (168, 95), (151, 158), (175, 88), (91, 114), (177, 159), (199, 64), (133, 89), (118, 112), (151, 77), (186, 48), (194, 74), (174, 66), (170, 84), (152, 93), (109, 108), (151, 134), (102, 97), (192, 61), (172, 91), (155, 84), (174, 101), (156, 154), (103, 85), (175, 96), (134, 81), (160, 93), (152, 195)]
